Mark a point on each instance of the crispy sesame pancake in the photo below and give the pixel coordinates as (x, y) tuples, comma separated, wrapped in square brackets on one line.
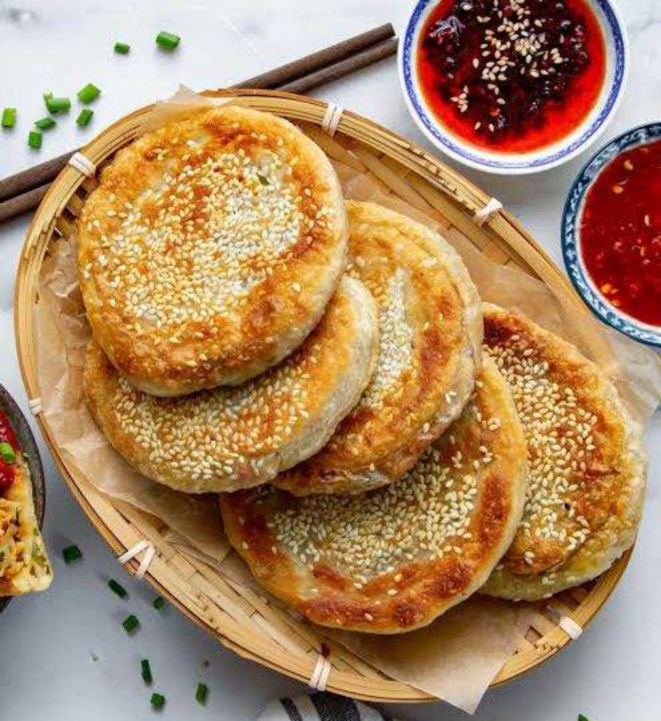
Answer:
[(210, 250), (587, 465), (430, 326), (231, 438), (393, 559)]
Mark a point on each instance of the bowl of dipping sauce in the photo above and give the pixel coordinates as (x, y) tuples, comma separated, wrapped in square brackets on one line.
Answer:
[(611, 234), (513, 86)]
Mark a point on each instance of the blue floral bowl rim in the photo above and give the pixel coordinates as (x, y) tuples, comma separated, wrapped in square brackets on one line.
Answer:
[(445, 141), (570, 241)]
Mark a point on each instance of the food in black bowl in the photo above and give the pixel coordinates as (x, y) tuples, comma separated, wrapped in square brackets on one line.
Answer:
[(24, 565)]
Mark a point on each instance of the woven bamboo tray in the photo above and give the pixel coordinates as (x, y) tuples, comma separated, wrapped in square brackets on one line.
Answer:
[(238, 617)]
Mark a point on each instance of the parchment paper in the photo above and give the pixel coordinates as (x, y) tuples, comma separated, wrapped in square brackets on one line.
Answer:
[(456, 657)]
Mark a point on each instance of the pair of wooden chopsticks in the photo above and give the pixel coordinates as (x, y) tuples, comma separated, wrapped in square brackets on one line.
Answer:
[(25, 190)]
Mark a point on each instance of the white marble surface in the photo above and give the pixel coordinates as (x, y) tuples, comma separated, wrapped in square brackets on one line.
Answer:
[(47, 641)]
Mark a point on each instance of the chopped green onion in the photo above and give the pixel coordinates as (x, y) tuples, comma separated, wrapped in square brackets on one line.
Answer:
[(159, 603), (157, 700), (9, 117), (71, 553), (167, 41), (117, 588), (84, 118), (7, 453), (45, 123), (146, 671), (201, 693), (89, 93), (130, 623), (56, 105), (34, 139), (122, 48), (581, 717)]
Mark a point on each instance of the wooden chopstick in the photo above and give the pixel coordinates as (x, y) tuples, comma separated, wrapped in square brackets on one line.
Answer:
[(24, 191), (345, 67), (309, 64)]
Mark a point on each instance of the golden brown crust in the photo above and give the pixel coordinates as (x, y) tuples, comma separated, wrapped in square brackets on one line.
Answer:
[(210, 249), (24, 565), (587, 465), (430, 346), (393, 559), (231, 438)]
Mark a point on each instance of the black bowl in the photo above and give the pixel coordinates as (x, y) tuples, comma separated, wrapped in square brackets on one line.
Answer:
[(31, 453)]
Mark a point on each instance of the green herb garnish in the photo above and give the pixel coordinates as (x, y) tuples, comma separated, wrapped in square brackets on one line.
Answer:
[(122, 48), (157, 700), (146, 671), (34, 139), (117, 588), (201, 693), (71, 554), (84, 117), (130, 623), (89, 93), (9, 117), (56, 105), (167, 41), (159, 603), (45, 123), (581, 717), (7, 453)]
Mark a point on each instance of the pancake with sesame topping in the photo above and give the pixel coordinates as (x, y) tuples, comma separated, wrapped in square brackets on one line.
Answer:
[(587, 464), (210, 249), (395, 558), (232, 438), (430, 347)]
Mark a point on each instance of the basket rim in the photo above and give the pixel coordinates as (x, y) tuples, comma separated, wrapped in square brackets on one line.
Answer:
[(439, 176)]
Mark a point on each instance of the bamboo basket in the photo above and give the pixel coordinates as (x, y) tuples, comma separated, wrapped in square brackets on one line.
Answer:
[(238, 617)]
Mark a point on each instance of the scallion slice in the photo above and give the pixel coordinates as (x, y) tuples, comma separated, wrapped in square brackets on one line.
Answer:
[(71, 553), (122, 48), (159, 603), (84, 117), (9, 117), (581, 717), (45, 123), (157, 700), (56, 105), (117, 588), (89, 93), (201, 693), (7, 453), (146, 671), (130, 623), (167, 41)]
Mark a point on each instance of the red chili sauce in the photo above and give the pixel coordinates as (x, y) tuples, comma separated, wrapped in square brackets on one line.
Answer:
[(511, 75), (621, 232), (6, 470)]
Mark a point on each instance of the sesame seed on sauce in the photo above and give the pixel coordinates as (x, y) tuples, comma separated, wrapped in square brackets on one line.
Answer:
[(428, 514), (502, 72), (559, 431)]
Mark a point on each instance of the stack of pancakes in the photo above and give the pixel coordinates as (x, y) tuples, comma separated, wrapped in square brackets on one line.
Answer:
[(384, 445)]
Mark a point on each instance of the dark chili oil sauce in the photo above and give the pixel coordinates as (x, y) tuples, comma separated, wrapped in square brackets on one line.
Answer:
[(511, 75)]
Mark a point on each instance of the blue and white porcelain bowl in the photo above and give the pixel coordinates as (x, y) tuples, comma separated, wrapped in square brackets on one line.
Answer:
[(617, 65), (571, 237)]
